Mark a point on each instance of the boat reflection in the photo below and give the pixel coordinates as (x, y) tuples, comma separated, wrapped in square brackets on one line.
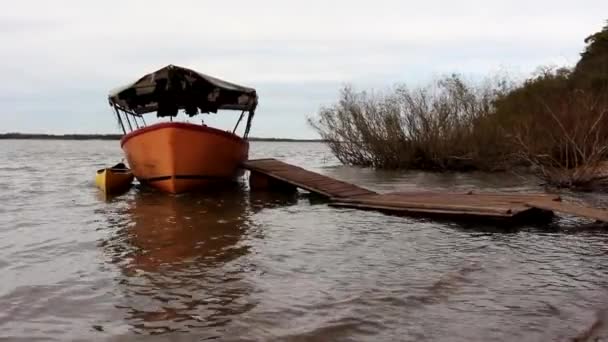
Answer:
[(174, 231), (183, 259)]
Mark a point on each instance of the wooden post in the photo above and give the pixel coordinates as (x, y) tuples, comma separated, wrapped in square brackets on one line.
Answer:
[(259, 181)]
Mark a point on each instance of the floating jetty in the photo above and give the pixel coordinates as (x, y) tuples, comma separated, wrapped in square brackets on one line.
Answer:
[(273, 174)]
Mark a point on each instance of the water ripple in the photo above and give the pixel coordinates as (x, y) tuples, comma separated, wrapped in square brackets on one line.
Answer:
[(247, 266)]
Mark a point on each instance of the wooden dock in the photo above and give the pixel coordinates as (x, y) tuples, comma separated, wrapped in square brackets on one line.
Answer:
[(517, 207)]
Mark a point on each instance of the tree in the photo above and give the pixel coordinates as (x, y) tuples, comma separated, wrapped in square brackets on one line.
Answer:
[(591, 71)]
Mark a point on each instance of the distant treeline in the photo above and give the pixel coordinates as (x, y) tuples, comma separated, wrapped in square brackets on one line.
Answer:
[(35, 136)]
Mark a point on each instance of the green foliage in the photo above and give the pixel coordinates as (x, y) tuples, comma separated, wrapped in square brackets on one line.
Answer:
[(591, 71), (515, 107)]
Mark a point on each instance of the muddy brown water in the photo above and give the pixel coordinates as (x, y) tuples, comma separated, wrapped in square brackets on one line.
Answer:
[(241, 266)]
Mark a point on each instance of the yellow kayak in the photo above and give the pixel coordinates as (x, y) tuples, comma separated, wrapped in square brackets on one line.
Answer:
[(114, 180)]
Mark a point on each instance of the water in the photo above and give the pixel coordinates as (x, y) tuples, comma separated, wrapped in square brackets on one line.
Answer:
[(240, 266)]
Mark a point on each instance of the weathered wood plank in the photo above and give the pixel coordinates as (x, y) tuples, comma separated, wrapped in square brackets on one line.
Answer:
[(573, 209), (421, 210), (505, 209)]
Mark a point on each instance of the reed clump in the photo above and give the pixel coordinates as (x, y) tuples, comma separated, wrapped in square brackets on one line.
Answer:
[(443, 126)]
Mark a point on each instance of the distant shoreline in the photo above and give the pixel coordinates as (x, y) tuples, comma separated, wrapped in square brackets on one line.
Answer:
[(36, 136)]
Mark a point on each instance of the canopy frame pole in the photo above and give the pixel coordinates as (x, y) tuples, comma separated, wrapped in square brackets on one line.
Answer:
[(143, 120), (129, 122), (238, 122), (124, 131), (248, 127), (136, 123)]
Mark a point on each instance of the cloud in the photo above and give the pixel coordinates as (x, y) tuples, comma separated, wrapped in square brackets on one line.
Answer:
[(60, 58)]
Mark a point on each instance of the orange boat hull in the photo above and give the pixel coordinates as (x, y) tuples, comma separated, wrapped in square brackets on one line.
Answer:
[(180, 157)]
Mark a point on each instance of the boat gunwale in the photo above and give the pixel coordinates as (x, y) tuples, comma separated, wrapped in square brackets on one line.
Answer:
[(113, 170), (184, 125)]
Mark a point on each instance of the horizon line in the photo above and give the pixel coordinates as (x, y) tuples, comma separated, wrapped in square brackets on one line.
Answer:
[(114, 136)]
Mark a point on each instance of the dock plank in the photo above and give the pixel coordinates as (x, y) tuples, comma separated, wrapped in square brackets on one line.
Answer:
[(572, 209), (422, 211), (424, 204)]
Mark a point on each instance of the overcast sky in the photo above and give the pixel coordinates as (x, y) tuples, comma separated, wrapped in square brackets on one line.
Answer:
[(59, 59)]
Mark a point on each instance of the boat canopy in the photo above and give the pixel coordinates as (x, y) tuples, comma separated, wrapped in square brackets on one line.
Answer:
[(172, 88)]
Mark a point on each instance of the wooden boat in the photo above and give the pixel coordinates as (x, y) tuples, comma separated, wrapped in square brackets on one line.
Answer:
[(178, 157), (114, 180)]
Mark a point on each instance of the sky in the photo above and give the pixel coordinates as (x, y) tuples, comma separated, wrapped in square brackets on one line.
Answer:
[(59, 59)]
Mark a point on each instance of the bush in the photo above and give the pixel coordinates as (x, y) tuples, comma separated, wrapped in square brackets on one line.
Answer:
[(444, 126), (556, 121), (560, 129)]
